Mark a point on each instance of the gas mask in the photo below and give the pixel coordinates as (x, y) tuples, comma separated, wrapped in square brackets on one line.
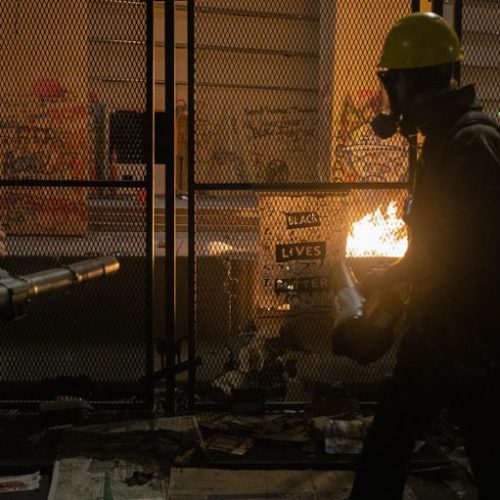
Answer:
[(384, 125), (392, 118)]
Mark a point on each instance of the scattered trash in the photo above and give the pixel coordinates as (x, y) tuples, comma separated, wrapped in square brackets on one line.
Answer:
[(65, 410), (345, 436), (83, 477), (456, 486), (278, 427), (333, 400), (25, 482), (138, 479), (235, 445), (459, 458), (257, 360)]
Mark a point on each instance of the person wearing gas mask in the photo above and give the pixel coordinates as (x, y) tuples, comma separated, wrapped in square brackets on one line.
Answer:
[(449, 355)]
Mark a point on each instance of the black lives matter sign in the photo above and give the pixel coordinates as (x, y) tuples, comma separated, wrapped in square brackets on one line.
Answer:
[(299, 238), (299, 220), (313, 250)]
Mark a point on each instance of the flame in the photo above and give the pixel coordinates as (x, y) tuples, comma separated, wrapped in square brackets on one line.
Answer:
[(378, 234)]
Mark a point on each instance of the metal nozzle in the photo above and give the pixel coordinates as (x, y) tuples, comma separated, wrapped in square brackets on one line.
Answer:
[(349, 302), (15, 291)]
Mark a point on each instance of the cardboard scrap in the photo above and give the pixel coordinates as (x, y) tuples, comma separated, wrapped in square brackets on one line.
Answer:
[(82, 477), (345, 436), (283, 428), (235, 445), (121, 460), (24, 482)]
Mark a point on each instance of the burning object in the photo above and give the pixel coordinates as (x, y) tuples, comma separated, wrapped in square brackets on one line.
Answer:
[(378, 234)]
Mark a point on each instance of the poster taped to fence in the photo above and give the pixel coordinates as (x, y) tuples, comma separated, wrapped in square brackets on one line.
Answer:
[(301, 236)]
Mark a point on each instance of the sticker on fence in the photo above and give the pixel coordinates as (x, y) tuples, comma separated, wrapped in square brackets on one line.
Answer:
[(300, 237)]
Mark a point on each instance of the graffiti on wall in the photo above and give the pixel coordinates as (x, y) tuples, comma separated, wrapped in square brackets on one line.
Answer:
[(257, 143), (361, 156), (45, 139), (281, 142)]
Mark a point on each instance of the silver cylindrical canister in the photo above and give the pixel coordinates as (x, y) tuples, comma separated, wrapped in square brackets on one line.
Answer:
[(356, 334)]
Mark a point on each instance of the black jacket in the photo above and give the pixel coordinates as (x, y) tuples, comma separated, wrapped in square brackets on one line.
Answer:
[(454, 253)]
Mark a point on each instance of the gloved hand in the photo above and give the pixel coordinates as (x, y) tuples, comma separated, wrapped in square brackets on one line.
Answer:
[(382, 278), (374, 280)]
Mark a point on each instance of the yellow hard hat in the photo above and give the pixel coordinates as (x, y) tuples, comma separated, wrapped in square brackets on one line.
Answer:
[(419, 40)]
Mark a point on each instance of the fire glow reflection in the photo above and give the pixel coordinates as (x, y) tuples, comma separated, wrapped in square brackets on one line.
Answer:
[(378, 234)]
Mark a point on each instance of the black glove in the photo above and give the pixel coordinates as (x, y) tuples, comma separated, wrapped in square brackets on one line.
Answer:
[(375, 279)]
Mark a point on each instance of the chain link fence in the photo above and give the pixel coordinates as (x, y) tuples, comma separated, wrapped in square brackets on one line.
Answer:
[(479, 23), (73, 154), (285, 165), (286, 174), (288, 177)]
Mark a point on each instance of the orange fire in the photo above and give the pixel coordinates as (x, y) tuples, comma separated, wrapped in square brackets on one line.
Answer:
[(378, 234)]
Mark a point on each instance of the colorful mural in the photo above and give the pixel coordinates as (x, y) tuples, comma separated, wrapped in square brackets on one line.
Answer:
[(45, 136), (361, 156)]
